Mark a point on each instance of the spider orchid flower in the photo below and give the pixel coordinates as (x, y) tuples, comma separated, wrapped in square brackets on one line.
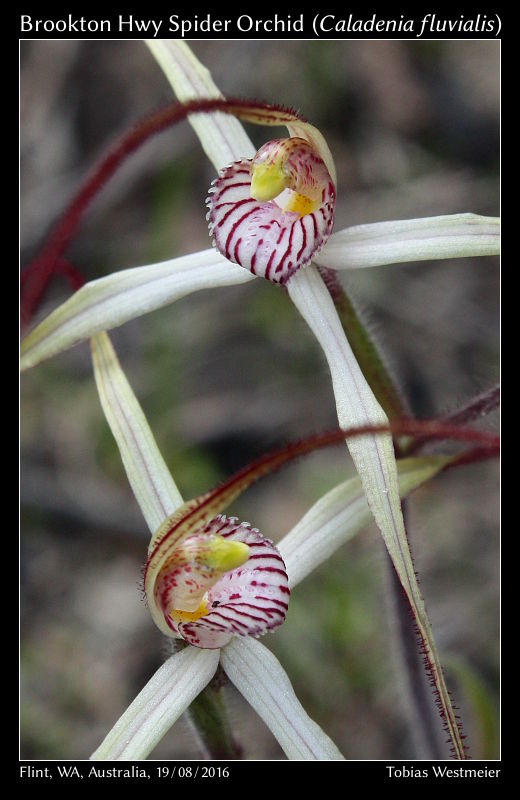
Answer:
[(208, 580), (271, 214), (198, 558)]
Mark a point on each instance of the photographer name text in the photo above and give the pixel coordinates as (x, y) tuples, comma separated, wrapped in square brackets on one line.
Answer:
[(441, 771)]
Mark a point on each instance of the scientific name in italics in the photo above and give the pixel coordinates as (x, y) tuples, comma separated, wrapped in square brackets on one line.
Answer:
[(318, 24)]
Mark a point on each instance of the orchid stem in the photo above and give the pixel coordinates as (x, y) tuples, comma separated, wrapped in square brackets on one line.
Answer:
[(209, 719)]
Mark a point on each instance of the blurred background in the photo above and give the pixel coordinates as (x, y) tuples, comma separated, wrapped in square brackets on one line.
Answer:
[(224, 375)]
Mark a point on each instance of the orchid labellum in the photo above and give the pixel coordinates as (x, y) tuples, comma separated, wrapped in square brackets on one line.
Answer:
[(273, 213), (222, 580)]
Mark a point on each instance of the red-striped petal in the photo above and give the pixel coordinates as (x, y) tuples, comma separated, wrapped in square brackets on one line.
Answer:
[(261, 236)]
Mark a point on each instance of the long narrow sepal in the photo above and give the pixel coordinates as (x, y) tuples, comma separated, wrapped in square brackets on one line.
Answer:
[(264, 683), (401, 241), (356, 405), (224, 140), (109, 302), (150, 479), (375, 462), (162, 701)]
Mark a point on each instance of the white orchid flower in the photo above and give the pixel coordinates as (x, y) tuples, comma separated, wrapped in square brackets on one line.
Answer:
[(199, 564)]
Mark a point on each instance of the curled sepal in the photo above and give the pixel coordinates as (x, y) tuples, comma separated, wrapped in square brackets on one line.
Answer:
[(224, 580), (273, 213)]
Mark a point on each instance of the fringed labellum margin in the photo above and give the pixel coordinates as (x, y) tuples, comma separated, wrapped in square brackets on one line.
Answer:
[(222, 580), (273, 213)]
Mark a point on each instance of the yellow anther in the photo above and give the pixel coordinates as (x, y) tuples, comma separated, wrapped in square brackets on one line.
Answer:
[(223, 554), (267, 181)]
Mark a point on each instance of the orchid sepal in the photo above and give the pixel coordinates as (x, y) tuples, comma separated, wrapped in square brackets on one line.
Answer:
[(158, 705), (406, 240)]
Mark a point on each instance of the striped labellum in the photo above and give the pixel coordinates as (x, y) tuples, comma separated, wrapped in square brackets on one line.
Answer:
[(215, 580), (273, 213)]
